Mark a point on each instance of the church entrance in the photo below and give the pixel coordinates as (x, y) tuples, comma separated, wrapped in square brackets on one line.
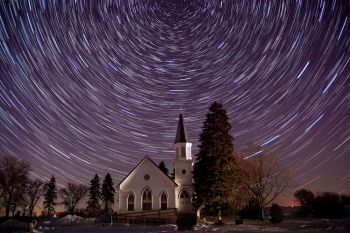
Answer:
[(185, 204)]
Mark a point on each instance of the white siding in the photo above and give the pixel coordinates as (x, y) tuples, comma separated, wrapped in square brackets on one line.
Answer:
[(136, 183)]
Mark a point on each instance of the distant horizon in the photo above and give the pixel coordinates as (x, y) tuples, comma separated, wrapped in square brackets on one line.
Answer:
[(286, 199)]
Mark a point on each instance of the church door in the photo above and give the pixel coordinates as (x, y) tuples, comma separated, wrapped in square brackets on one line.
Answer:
[(185, 202)]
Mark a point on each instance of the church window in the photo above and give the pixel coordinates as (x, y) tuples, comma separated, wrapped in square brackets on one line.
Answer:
[(184, 194), (147, 199), (163, 201), (177, 152), (183, 171), (131, 202), (183, 151)]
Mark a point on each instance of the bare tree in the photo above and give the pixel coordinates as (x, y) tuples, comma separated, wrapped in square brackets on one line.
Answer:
[(19, 201), (263, 177), (71, 195), (13, 177), (34, 190)]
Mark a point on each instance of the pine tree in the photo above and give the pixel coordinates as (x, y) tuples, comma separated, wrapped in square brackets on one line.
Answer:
[(163, 168), (215, 170), (94, 196), (172, 174), (107, 194), (50, 196)]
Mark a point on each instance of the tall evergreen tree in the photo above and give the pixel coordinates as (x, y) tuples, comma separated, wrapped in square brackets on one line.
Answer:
[(50, 196), (163, 168), (94, 206), (107, 194), (172, 174), (215, 170)]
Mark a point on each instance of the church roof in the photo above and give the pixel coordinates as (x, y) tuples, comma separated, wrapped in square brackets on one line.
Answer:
[(181, 133), (139, 164)]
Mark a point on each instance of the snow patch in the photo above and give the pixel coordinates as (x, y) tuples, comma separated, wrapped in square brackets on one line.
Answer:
[(71, 219)]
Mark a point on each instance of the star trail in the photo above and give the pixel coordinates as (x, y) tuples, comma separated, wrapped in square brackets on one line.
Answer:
[(94, 86)]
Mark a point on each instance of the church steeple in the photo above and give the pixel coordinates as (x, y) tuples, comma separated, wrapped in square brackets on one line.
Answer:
[(183, 158), (182, 141), (181, 133)]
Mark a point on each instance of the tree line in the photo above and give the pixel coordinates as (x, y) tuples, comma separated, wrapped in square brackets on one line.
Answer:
[(322, 205), (20, 194)]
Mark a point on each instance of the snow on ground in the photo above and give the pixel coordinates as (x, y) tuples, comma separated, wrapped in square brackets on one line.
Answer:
[(74, 219), (71, 219), (125, 228), (76, 224)]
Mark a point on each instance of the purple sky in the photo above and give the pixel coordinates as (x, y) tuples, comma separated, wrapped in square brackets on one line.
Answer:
[(93, 88)]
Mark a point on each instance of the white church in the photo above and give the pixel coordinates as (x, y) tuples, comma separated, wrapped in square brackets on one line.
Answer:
[(147, 191)]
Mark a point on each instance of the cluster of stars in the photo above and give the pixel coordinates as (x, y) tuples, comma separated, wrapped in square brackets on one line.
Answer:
[(94, 86)]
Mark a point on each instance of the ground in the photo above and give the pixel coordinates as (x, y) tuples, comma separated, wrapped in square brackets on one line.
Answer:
[(249, 226), (288, 226)]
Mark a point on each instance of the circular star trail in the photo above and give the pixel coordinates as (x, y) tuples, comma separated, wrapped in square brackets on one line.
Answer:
[(94, 86)]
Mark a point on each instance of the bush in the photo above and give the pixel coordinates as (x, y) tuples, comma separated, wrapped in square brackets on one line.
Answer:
[(186, 221), (226, 210), (276, 214), (328, 205), (251, 211)]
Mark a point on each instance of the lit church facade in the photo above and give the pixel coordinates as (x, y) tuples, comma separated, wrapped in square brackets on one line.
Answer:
[(148, 190)]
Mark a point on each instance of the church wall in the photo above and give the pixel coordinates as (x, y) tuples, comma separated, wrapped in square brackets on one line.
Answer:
[(136, 183), (184, 177), (183, 172), (184, 205)]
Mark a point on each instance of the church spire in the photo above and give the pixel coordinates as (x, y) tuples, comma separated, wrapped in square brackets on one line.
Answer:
[(183, 158), (181, 133)]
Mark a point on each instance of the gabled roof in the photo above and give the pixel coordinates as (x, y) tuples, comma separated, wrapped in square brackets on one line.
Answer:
[(181, 133), (139, 164)]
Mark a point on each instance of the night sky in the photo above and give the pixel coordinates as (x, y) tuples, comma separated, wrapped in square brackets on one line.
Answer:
[(94, 86)]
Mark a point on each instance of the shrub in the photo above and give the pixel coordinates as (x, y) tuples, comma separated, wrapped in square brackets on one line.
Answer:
[(186, 221), (227, 209), (276, 214), (328, 205), (251, 210)]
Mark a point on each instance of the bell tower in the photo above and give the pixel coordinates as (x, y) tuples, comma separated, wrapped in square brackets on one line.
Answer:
[(183, 158)]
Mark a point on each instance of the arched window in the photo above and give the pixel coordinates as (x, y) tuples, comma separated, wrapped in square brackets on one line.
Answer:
[(163, 201), (131, 202), (184, 194), (147, 199)]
